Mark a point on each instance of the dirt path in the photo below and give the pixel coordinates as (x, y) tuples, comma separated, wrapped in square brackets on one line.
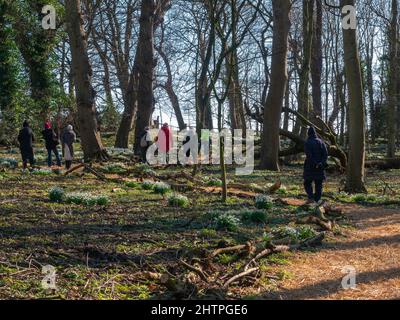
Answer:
[(372, 248)]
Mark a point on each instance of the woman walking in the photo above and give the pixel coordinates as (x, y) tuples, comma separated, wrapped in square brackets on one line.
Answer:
[(68, 139)]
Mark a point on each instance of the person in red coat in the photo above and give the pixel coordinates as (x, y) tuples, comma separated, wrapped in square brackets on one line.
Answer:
[(165, 141)]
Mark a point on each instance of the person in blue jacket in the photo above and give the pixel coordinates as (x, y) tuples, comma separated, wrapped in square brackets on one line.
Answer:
[(314, 166)]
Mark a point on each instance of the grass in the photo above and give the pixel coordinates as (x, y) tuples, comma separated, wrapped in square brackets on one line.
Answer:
[(103, 251)]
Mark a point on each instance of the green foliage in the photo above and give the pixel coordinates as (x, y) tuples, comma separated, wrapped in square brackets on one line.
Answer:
[(42, 172), (305, 232), (144, 169), (8, 163), (214, 182), (226, 259), (364, 198), (282, 191), (161, 188), (115, 168), (109, 116), (177, 200), (132, 184), (295, 234), (56, 194), (359, 198), (10, 81), (208, 233), (226, 221), (255, 216), (147, 185), (264, 202), (86, 199)]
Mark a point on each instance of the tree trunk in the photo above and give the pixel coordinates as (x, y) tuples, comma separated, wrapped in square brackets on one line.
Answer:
[(356, 126), (276, 94), (168, 86), (316, 62), (393, 79), (128, 116), (145, 67), (235, 97), (304, 96), (85, 94)]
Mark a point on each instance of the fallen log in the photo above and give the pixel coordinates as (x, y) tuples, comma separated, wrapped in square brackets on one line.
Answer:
[(82, 165), (202, 274), (245, 247), (239, 276), (385, 164), (325, 225), (285, 248)]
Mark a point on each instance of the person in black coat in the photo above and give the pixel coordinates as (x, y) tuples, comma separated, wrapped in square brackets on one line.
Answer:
[(51, 140), (26, 139), (314, 166)]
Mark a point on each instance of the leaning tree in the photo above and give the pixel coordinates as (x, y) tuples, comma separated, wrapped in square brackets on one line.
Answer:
[(85, 94)]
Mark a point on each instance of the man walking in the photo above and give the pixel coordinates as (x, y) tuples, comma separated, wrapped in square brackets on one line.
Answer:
[(314, 166)]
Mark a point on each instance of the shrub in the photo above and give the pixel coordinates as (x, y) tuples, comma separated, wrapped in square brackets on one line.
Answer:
[(148, 185), (161, 188), (226, 221), (86, 199), (177, 200), (264, 202), (208, 233), (115, 168), (359, 198), (255, 216), (282, 190), (75, 198), (102, 200), (305, 232), (144, 169), (8, 163), (56, 194), (214, 182), (132, 184), (295, 234)]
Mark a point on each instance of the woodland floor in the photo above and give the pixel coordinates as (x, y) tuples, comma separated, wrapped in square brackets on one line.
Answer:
[(114, 251)]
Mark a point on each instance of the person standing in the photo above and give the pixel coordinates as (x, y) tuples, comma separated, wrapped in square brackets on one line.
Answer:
[(68, 139), (26, 139), (165, 142), (314, 166), (52, 142), (145, 143)]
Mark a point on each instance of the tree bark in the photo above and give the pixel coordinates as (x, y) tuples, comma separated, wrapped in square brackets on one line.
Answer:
[(393, 79), (145, 66), (316, 62), (304, 96), (355, 182), (276, 94), (85, 94)]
